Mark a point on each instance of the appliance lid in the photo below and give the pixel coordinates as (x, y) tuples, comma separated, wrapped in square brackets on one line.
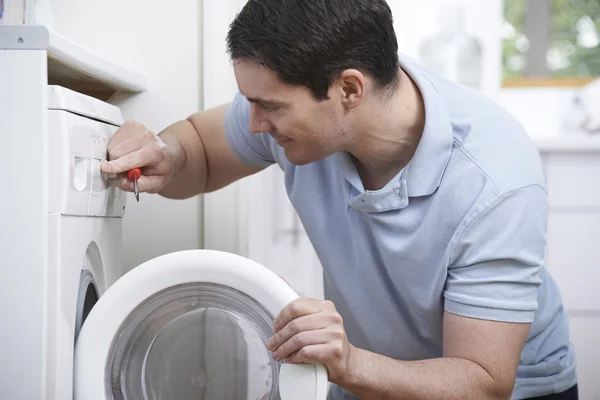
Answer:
[(190, 325), (60, 98)]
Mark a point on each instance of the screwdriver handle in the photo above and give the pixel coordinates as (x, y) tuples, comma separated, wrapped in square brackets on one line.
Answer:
[(134, 174)]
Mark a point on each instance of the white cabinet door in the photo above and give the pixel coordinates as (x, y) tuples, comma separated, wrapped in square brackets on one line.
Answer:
[(573, 258), (277, 238), (574, 180), (584, 335), (573, 255)]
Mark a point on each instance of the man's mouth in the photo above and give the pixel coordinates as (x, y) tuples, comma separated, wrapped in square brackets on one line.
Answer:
[(281, 138)]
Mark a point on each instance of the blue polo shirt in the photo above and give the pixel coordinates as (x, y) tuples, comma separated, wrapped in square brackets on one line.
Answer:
[(461, 228)]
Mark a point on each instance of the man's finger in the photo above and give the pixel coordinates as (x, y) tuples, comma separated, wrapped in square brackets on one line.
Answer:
[(126, 146), (304, 339), (316, 353), (147, 184), (297, 308), (150, 184), (137, 159), (301, 324)]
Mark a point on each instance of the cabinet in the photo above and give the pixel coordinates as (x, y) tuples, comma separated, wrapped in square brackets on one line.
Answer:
[(572, 167)]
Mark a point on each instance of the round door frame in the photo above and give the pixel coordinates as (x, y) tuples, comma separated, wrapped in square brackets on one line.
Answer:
[(105, 319)]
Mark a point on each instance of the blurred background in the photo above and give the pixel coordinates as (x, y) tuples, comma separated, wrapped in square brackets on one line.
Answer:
[(538, 58)]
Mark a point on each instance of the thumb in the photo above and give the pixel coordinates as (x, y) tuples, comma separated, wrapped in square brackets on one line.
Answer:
[(123, 164), (107, 167)]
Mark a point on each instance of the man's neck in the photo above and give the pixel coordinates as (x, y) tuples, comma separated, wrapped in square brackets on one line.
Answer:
[(389, 135)]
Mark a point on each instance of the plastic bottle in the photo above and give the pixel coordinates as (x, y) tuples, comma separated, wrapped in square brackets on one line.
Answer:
[(14, 12), (451, 52)]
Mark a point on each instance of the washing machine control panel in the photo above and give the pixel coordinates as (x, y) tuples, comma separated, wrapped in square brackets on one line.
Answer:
[(78, 146)]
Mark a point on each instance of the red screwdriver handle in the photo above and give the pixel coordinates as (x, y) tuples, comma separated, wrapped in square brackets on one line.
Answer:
[(134, 173)]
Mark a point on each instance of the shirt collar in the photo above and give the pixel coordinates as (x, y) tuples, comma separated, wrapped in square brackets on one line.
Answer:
[(393, 196), (425, 170)]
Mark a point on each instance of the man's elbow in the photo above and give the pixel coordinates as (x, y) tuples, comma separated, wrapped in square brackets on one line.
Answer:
[(500, 389)]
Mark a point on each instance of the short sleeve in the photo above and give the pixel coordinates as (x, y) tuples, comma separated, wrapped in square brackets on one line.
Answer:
[(253, 149), (494, 270)]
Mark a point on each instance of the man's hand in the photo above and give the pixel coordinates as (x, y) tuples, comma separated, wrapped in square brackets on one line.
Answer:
[(309, 330), (134, 146)]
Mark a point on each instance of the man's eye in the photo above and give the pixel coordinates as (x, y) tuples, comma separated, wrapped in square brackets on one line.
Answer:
[(266, 108)]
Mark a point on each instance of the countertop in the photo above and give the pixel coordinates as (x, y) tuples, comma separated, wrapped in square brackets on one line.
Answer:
[(576, 142)]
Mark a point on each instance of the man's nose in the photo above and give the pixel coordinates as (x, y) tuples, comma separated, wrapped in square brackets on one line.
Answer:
[(259, 124)]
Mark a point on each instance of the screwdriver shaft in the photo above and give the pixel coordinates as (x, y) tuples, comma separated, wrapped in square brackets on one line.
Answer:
[(136, 190)]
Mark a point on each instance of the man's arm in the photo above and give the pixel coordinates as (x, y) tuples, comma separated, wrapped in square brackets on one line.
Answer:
[(493, 278), (480, 362), (187, 158), (206, 162)]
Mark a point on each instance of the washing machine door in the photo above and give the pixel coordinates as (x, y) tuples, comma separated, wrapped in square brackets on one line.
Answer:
[(190, 325)]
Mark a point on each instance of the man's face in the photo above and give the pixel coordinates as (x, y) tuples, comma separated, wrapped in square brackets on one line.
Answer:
[(308, 130)]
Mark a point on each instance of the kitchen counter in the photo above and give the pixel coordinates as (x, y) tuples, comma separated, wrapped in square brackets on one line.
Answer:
[(572, 143)]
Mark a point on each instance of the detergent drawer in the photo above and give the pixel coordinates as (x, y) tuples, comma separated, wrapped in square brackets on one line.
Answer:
[(77, 146)]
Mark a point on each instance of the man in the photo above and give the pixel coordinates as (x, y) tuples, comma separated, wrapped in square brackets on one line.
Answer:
[(424, 201)]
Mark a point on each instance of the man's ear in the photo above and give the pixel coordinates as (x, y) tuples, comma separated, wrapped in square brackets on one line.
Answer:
[(351, 85)]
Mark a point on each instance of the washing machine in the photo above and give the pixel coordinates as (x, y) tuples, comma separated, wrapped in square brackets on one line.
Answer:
[(85, 210), (186, 325)]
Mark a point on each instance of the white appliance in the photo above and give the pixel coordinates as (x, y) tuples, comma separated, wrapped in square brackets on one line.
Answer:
[(84, 224), (189, 325)]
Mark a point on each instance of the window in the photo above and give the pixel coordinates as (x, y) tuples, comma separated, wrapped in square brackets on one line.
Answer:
[(550, 42)]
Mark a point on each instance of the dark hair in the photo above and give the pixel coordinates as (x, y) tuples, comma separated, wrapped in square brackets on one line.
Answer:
[(310, 42)]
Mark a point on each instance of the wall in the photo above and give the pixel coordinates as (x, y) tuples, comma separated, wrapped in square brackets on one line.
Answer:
[(226, 210), (163, 43)]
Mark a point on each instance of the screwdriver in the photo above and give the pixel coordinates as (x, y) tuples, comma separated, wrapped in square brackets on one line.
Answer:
[(133, 175)]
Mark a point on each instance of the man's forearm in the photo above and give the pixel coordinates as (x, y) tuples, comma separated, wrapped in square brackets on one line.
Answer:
[(206, 163), (372, 376), (187, 150)]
